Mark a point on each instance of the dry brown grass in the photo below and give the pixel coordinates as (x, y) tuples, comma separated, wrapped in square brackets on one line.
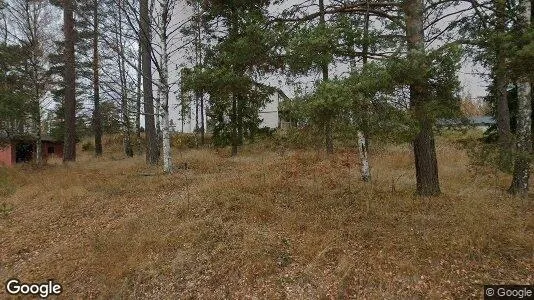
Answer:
[(291, 224)]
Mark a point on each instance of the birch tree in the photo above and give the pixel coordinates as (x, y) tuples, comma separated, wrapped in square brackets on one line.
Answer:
[(521, 172), (363, 141), (165, 17)]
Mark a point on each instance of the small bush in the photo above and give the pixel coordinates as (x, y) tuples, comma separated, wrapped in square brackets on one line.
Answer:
[(5, 210), (489, 154), (185, 140), (88, 146), (6, 188), (301, 138)]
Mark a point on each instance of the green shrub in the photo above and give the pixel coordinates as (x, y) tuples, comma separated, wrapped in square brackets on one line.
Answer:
[(5, 210), (6, 188), (185, 140), (489, 154), (88, 146)]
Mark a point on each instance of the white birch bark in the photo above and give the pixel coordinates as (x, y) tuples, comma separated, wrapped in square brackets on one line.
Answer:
[(364, 157), (362, 139), (157, 105), (521, 176)]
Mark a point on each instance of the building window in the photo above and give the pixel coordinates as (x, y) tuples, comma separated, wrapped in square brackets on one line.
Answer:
[(51, 150)]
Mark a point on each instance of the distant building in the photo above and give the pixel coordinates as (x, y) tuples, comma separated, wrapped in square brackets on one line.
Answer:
[(270, 113), (22, 149), (479, 122)]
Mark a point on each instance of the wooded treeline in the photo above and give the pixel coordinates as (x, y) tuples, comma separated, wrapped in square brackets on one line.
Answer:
[(378, 70)]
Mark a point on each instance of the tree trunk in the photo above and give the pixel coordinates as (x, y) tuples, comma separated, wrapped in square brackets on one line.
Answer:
[(97, 118), (69, 152), (199, 58), (39, 143), (202, 126), (37, 108), (5, 33), (126, 124), (138, 102), (167, 155), (364, 159), (127, 130), (501, 81), (240, 129), (426, 165), (157, 112), (197, 108), (234, 125), (521, 174), (164, 82), (183, 120), (363, 134), (152, 153), (329, 142), (37, 112)]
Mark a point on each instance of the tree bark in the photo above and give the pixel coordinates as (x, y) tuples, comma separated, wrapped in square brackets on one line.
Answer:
[(329, 141), (138, 102), (521, 173), (365, 169), (363, 141), (126, 124), (97, 118), (501, 81), (164, 83), (37, 81), (157, 114), (426, 165), (39, 142), (38, 117), (202, 126), (234, 125), (199, 58), (240, 129), (69, 152), (152, 152)]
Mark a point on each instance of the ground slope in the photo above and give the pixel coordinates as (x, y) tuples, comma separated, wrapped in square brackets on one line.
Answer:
[(265, 225)]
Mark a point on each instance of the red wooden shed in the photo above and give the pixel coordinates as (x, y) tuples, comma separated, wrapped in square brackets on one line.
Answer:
[(22, 149)]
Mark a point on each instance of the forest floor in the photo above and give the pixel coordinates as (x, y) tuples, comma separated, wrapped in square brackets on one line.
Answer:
[(290, 224)]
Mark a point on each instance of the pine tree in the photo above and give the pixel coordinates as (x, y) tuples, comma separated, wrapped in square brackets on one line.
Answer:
[(69, 152), (152, 152), (229, 69)]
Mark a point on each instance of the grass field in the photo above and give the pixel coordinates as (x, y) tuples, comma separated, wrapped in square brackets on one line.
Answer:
[(291, 224)]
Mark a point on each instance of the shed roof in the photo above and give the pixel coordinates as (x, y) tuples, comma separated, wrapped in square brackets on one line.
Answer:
[(27, 137)]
